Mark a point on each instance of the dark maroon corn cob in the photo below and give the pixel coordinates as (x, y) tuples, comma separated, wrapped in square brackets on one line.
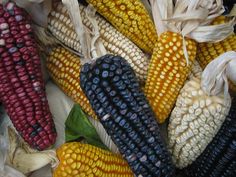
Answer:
[(22, 90), (116, 97), (219, 157)]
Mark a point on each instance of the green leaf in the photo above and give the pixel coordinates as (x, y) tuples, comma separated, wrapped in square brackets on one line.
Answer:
[(79, 128)]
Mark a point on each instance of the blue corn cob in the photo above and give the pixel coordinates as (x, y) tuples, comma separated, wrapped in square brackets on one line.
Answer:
[(114, 93)]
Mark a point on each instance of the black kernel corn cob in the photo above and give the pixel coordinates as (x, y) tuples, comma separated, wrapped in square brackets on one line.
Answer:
[(219, 157), (22, 90), (114, 93)]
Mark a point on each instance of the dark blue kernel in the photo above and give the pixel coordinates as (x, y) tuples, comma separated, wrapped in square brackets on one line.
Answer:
[(134, 116), (105, 74), (119, 103), (39, 129), (100, 95), (105, 65), (111, 74), (105, 83), (108, 89), (96, 80), (85, 68), (123, 112), (12, 50), (122, 122), (144, 148), (94, 87), (33, 134), (109, 108), (121, 87), (126, 126), (123, 106), (103, 100), (116, 78), (117, 119), (116, 99), (112, 93), (119, 71), (36, 126), (112, 67), (97, 71), (19, 45), (98, 90)]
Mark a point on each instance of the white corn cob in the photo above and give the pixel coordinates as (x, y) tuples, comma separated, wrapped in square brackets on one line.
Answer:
[(194, 122), (60, 25)]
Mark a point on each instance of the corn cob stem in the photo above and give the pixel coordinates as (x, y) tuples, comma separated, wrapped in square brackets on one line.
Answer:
[(130, 18), (84, 160), (22, 90), (64, 68), (61, 27)]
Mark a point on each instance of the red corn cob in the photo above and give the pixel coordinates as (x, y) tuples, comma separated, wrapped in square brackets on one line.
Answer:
[(22, 90)]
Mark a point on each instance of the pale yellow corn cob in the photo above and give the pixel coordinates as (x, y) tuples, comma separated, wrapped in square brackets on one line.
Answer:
[(64, 69), (115, 43), (194, 122), (83, 160), (130, 18)]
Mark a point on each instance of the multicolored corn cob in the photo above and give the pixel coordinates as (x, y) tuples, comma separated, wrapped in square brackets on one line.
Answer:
[(130, 18), (84, 160), (194, 122), (219, 157), (64, 69), (167, 72), (209, 51), (61, 26), (22, 90), (114, 93)]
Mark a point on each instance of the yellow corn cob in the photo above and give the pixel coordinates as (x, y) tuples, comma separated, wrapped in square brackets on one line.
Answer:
[(64, 68), (114, 42), (209, 51), (130, 18), (167, 72), (83, 160)]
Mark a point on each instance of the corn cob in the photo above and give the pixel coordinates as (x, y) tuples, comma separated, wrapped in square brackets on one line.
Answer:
[(167, 73), (61, 27), (22, 90), (64, 68), (114, 93), (219, 157), (84, 160), (209, 51), (131, 19), (194, 122)]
